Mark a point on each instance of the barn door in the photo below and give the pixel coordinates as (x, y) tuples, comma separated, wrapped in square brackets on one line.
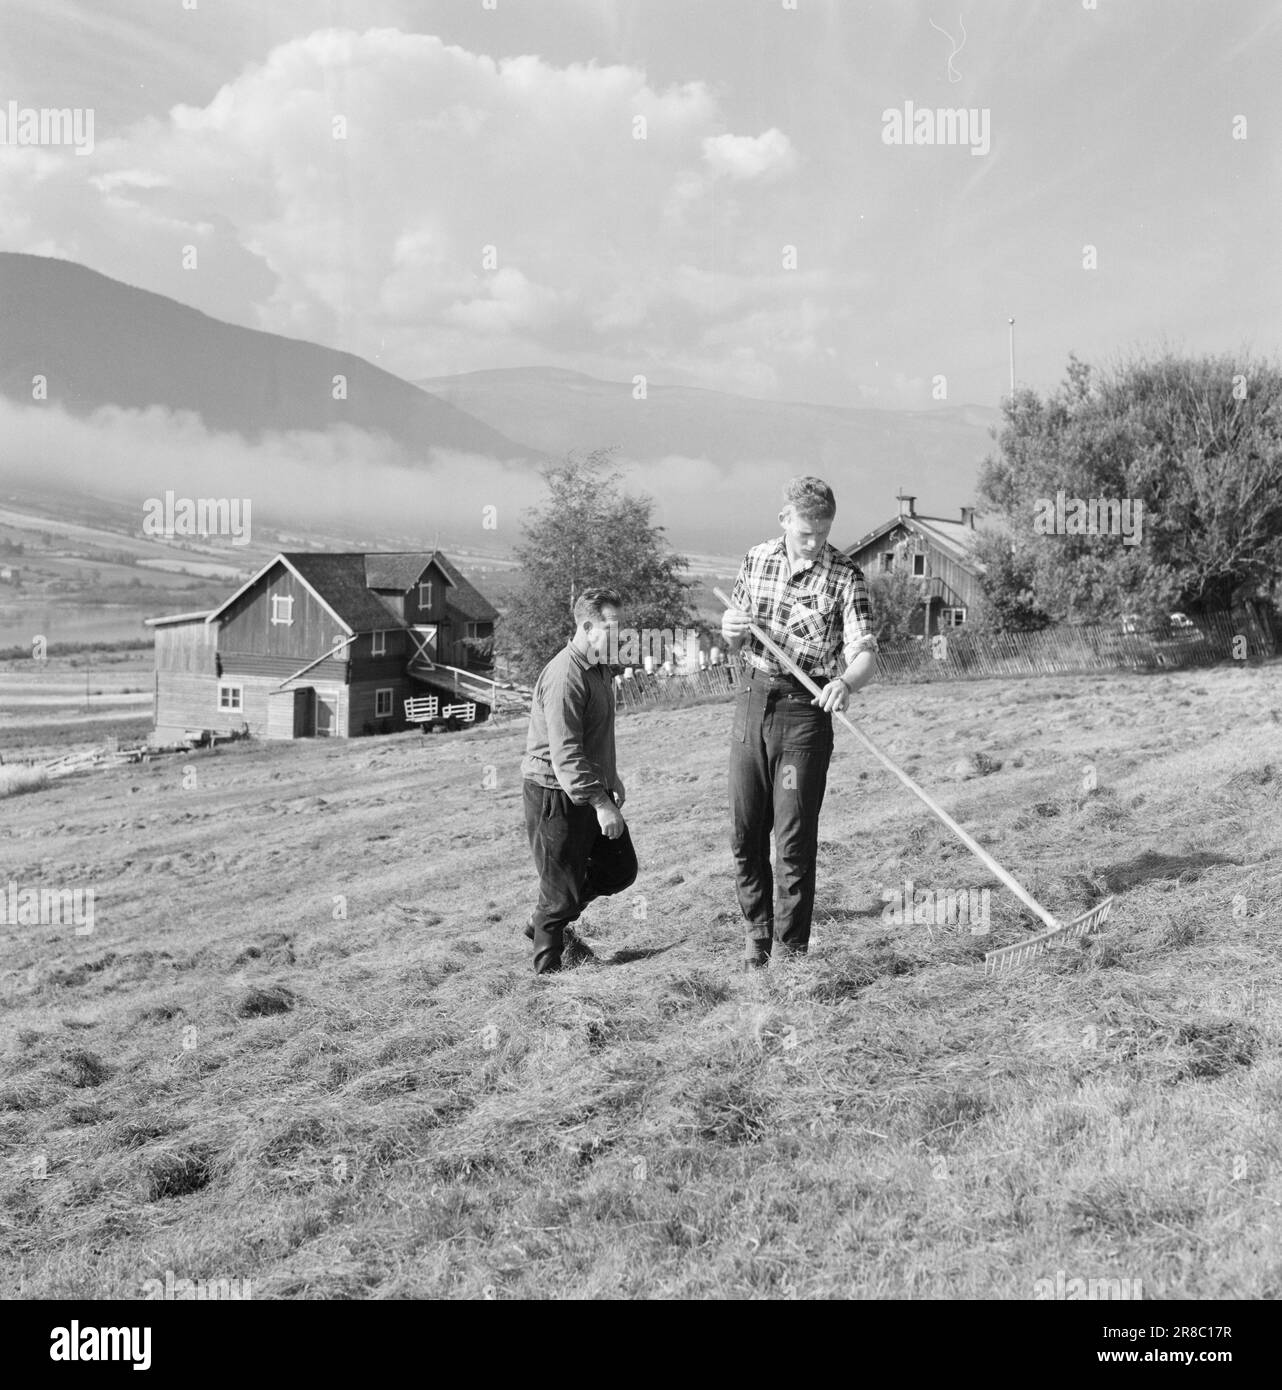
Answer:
[(423, 635), (304, 712), (326, 715)]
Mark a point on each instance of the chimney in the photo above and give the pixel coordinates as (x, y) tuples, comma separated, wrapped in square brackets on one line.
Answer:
[(968, 517), (905, 503)]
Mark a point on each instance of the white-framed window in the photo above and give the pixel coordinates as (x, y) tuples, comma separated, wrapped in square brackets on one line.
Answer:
[(887, 561), (231, 696), (952, 617), (919, 566), (383, 703), (283, 609), (425, 593), (378, 645)]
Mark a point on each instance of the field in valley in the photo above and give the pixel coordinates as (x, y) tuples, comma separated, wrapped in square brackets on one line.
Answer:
[(302, 1045), (68, 703)]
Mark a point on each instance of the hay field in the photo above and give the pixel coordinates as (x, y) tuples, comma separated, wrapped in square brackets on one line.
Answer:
[(303, 1046)]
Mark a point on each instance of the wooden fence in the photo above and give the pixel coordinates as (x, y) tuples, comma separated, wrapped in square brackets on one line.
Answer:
[(640, 691), (1071, 648), (960, 655)]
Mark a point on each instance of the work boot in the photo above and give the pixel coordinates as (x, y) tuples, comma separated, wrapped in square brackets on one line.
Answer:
[(756, 952), (548, 946)]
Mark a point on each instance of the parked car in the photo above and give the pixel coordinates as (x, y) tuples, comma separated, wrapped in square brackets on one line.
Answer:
[(1174, 626)]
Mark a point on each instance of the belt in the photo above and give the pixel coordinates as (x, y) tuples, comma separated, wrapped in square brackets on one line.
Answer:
[(783, 680)]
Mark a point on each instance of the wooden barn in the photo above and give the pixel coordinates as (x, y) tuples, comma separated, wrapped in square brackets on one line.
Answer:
[(933, 550), (326, 645)]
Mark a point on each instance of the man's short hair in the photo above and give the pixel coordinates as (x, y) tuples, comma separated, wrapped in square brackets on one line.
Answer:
[(590, 603), (810, 498)]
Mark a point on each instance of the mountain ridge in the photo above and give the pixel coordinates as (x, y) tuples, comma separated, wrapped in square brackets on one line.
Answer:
[(712, 460), (100, 342)]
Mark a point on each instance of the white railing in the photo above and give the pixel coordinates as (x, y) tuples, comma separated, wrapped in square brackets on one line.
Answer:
[(482, 688), (420, 708)]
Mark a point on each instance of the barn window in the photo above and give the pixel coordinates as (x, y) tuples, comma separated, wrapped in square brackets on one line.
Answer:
[(919, 565), (383, 703), (952, 617), (283, 609), (231, 696), (379, 644), (425, 593), (887, 561)]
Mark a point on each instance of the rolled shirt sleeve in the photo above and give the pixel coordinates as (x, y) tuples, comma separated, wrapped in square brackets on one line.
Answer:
[(740, 597), (856, 619)]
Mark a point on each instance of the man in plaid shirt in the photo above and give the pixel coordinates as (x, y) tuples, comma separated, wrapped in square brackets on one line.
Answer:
[(813, 602)]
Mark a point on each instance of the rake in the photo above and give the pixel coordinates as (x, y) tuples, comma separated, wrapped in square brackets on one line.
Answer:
[(1007, 957)]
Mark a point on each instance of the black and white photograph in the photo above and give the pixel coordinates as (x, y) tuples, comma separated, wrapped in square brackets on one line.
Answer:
[(640, 660)]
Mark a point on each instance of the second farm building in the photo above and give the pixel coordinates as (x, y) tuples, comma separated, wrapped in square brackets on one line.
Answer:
[(325, 644)]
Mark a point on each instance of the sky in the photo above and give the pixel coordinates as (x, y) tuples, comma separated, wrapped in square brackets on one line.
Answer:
[(613, 187)]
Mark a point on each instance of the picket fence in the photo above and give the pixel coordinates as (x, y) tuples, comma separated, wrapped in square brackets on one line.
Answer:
[(959, 655)]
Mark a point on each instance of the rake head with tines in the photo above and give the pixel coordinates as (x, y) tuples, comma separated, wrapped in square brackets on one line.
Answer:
[(1008, 957)]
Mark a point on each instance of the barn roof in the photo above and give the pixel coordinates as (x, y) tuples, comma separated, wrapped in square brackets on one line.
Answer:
[(464, 598), (171, 618), (400, 569), (339, 578), (951, 537), (342, 581)]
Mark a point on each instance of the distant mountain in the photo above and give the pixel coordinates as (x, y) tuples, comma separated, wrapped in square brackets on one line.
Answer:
[(103, 343), (100, 342), (866, 454)]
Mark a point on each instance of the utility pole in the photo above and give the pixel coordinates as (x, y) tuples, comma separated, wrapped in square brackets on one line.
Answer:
[(1011, 322)]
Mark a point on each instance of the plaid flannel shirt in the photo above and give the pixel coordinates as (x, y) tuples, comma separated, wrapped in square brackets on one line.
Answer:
[(814, 613)]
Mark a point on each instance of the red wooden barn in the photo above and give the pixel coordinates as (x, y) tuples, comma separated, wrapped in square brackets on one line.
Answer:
[(318, 643)]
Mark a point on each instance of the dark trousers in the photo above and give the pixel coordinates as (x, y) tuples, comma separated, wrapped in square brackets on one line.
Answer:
[(576, 863), (779, 751)]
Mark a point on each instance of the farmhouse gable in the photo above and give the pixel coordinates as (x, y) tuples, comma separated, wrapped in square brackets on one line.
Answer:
[(934, 552)]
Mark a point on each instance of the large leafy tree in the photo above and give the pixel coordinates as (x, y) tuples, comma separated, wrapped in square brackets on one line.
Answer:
[(1196, 441), (589, 534)]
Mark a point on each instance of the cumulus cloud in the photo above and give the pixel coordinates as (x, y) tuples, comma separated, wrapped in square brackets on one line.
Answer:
[(431, 208), (510, 303), (750, 157)]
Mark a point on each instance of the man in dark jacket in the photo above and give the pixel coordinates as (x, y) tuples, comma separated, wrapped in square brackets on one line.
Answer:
[(573, 793)]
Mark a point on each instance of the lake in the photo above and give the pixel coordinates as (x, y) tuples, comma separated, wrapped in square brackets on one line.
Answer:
[(20, 623)]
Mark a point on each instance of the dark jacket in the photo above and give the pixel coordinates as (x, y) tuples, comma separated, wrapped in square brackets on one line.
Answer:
[(571, 739)]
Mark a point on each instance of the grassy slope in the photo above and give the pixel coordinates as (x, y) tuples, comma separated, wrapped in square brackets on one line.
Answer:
[(391, 1105)]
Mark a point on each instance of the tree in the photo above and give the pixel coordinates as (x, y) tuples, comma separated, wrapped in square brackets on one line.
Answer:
[(1193, 445), (1007, 600), (589, 534), (894, 598)]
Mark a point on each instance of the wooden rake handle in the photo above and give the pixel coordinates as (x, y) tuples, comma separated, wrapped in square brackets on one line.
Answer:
[(968, 840)]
